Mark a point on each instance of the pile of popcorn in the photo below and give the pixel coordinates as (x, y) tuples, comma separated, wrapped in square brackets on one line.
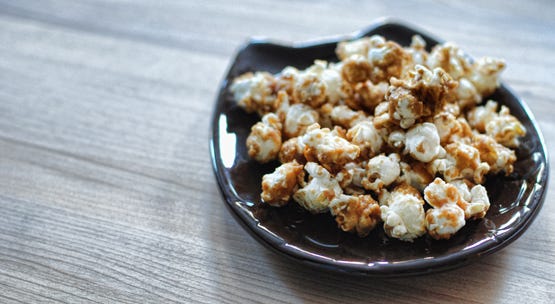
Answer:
[(390, 135)]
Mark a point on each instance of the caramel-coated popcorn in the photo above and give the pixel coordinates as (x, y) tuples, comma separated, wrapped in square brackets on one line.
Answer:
[(391, 136)]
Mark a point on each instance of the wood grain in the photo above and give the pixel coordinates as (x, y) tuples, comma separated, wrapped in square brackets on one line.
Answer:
[(106, 188)]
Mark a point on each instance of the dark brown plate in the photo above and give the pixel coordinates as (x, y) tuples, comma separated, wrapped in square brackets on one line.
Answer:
[(315, 239)]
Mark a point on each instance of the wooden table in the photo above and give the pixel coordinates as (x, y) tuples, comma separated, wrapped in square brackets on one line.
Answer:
[(106, 187)]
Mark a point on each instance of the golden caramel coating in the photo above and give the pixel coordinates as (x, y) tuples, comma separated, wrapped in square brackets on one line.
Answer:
[(461, 161), (364, 95), (366, 137), (264, 141), (446, 217), (254, 92), (345, 117), (328, 148), (498, 157), (423, 94), (356, 69), (358, 213), (316, 195), (292, 149), (505, 128), (279, 186)]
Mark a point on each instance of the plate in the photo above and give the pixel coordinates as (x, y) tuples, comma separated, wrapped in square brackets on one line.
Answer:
[(315, 240)]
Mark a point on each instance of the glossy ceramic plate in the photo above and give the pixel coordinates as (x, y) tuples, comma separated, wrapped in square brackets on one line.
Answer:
[(315, 239)]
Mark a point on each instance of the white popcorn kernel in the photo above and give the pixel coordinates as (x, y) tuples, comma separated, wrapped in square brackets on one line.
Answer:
[(403, 213), (279, 186), (298, 118), (451, 59), (485, 74), (505, 128), (264, 141), (444, 222), (366, 137), (480, 116), (498, 157), (327, 147), (317, 194), (343, 115), (396, 139), (253, 92), (381, 171), (346, 49), (479, 203), (422, 142)]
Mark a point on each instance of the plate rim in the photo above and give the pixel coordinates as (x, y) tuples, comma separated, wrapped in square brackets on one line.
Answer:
[(398, 269)]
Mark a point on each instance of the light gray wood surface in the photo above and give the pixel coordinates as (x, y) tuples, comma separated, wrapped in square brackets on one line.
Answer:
[(106, 188)]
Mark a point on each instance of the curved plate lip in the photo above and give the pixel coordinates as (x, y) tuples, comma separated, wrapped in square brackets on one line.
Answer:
[(378, 269)]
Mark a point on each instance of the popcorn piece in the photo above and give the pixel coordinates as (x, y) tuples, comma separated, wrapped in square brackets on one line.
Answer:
[(414, 174), (485, 74), (254, 93), (480, 116), (356, 69), (382, 119), (403, 213), (310, 90), (351, 176), (467, 94), (439, 193), (502, 126), (422, 142), (461, 161), (386, 58), (346, 49), (417, 52), (505, 128), (279, 186), (444, 222), (396, 139), (264, 141), (451, 129), (479, 204), (498, 157), (292, 149), (321, 189), (330, 74), (381, 172), (473, 203), (285, 81), (365, 95), (342, 115), (366, 137), (446, 218), (327, 147), (360, 213), (423, 94), (298, 118), (404, 108), (451, 59)]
